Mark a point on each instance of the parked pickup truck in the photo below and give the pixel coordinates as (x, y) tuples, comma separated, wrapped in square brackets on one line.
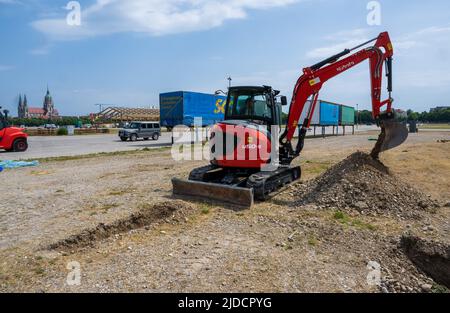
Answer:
[(144, 130), (11, 138)]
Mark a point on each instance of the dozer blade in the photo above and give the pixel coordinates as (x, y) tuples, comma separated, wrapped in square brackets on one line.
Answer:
[(222, 193), (393, 134)]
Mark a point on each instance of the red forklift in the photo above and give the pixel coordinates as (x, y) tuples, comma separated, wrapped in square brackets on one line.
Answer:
[(12, 139)]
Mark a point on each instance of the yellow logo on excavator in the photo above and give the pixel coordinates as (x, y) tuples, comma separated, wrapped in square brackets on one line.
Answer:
[(389, 45), (220, 106), (314, 81)]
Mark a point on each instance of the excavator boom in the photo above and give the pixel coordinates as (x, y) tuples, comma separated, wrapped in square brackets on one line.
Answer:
[(313, 78)]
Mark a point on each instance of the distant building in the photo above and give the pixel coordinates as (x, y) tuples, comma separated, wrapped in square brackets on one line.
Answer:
[(23, 107), (401, 114), (47, 112), (49, 106), (121, 114), (436, 109)]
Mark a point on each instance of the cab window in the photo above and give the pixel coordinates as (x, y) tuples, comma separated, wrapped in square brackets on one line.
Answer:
[(2, 124), (249, 105)]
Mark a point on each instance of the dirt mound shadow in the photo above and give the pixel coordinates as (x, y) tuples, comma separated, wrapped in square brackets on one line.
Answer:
[(362, 183), (175, 210), (431, 257)]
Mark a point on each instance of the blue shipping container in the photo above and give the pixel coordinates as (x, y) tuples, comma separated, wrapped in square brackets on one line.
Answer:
[(329, 114), (181, 107)]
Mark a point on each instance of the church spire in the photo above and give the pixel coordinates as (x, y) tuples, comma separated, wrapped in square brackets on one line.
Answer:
[(20, 107), (48, 104)]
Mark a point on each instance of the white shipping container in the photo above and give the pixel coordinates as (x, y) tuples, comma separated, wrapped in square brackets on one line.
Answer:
[(316, 116)]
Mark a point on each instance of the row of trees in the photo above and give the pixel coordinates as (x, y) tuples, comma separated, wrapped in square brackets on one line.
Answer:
[(362, 117), (64, 121), (439, 116)]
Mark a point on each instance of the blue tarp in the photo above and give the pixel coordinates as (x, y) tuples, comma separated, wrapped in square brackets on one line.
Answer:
[(16, 164)]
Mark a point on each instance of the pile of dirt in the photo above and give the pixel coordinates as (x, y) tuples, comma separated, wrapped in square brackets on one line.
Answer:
[(362, 183), (171, 210)]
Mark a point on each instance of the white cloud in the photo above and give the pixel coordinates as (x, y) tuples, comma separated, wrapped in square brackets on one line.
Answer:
[(424, 38), (339, 42), (421, 68), (427, 37), (153, 17)]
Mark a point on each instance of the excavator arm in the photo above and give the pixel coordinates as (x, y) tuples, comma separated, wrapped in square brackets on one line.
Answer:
[(310, 83)]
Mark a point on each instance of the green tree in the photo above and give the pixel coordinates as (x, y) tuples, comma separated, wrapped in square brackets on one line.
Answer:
[(412, 116), (364, 117)]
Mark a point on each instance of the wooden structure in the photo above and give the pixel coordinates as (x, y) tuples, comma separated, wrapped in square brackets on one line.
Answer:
[(121, 114)]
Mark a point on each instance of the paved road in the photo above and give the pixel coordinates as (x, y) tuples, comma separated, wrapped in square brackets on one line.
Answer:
[(43, 147), (51, 146)]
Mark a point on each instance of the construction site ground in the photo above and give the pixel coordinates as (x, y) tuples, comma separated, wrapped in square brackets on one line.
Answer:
[(115, 215)]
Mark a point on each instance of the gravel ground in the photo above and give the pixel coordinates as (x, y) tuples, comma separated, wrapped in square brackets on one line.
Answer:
[(205, 247)]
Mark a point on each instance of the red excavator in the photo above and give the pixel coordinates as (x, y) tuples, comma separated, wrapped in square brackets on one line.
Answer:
[(251, 160)]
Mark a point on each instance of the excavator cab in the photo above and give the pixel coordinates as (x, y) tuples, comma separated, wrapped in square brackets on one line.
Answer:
[(255, 104)]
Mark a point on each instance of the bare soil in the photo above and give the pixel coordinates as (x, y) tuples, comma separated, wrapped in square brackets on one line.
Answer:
[(115, 215)]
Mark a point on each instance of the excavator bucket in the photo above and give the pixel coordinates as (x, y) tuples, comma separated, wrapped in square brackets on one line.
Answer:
[(242, 197), (393, 134)]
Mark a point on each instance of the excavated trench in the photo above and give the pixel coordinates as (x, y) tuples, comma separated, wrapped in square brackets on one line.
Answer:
[(173, 210), (431, 257)]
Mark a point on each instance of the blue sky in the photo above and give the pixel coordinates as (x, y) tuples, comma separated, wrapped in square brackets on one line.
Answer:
[(126, 52)]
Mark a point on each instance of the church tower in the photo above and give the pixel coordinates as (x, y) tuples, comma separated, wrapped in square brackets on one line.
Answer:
[(48, 105), (25, 107), (20, 108)]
